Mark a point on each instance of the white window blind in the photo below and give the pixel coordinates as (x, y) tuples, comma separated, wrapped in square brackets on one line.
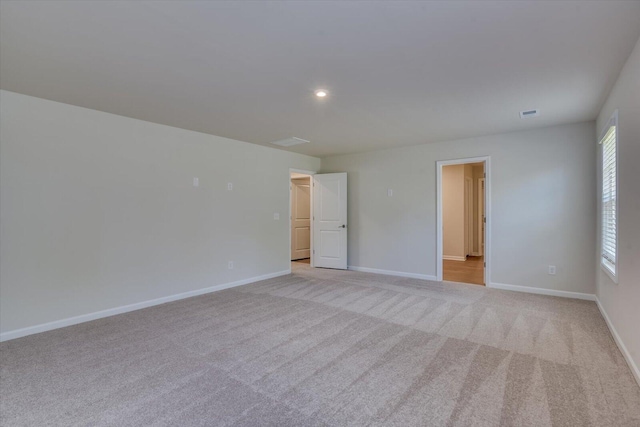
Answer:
[(609, 214)]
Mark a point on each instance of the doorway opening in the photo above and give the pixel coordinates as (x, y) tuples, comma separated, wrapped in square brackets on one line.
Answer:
[(317, 219), (300, 217), (463, 218)]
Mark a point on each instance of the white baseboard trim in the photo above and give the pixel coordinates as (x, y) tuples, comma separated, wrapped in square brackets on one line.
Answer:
[(541, 291), (391, 273), (623, 349), (18, 333), (454, 258)]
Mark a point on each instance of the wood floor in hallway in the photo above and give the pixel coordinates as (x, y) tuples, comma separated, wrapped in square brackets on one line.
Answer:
[(469, 271)]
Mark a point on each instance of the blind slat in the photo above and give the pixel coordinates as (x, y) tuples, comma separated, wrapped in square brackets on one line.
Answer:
[(609, 197)]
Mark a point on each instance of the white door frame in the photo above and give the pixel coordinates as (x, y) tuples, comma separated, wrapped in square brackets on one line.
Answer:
[(487, 212), (310, 173)]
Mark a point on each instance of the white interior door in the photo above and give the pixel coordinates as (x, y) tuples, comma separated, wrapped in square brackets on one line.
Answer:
[(330, 220), (300, 218)]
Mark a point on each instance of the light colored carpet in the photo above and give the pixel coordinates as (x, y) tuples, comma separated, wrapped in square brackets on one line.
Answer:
[(322, 347)]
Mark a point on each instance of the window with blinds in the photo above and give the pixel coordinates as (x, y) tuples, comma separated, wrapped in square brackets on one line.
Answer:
[(609, 202)]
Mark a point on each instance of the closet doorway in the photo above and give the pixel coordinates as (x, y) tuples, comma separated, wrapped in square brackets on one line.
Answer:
[(300, 187)]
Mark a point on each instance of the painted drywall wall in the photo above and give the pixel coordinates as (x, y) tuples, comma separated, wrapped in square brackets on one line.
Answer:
[(543, 205), (453, 227), (622, 301), (99, 211)]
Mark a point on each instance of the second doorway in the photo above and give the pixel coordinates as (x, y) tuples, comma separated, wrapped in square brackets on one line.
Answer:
[(300, 187)]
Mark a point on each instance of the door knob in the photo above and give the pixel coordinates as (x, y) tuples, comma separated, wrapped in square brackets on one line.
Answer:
[(343, 226)]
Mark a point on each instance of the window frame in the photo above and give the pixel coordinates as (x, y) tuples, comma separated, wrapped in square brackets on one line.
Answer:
[(610, 268)]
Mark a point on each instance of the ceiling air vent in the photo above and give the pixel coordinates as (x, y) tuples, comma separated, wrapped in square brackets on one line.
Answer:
[(529, 113), (290, 142)]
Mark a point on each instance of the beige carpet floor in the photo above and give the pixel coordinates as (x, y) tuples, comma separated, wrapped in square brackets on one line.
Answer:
[(322, 347)]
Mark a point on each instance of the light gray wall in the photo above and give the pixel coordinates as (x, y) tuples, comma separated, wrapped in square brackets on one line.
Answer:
[(622, 301), (99, 211), (543, 205)]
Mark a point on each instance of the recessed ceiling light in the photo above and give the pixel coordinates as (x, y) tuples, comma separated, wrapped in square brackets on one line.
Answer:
[(321, 93)]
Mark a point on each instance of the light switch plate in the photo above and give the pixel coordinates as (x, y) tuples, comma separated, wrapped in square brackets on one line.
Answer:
[(196, 181), (276, 216), (229, 186), (390, 192)]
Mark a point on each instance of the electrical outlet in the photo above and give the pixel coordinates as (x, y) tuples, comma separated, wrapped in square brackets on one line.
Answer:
[(230, 265), (229, 186), (552, 270), (276, 216), (196, 181), (389, 192)]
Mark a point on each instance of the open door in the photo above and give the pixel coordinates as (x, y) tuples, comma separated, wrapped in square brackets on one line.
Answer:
[(330, 220)]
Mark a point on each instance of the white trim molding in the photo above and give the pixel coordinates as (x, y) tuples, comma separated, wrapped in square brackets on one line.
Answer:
[(44, 327), (542, 291), (391, 273), (616, 337), (454, 258)]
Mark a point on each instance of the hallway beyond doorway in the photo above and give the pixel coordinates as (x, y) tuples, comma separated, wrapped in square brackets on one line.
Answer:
[(469, 271)]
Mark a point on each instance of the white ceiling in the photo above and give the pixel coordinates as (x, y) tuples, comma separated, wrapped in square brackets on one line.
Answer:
[(398, 73)]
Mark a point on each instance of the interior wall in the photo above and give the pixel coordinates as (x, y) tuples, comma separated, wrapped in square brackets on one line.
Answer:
[(99, 211), (453, 226), (543, 205), (621, 301)]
